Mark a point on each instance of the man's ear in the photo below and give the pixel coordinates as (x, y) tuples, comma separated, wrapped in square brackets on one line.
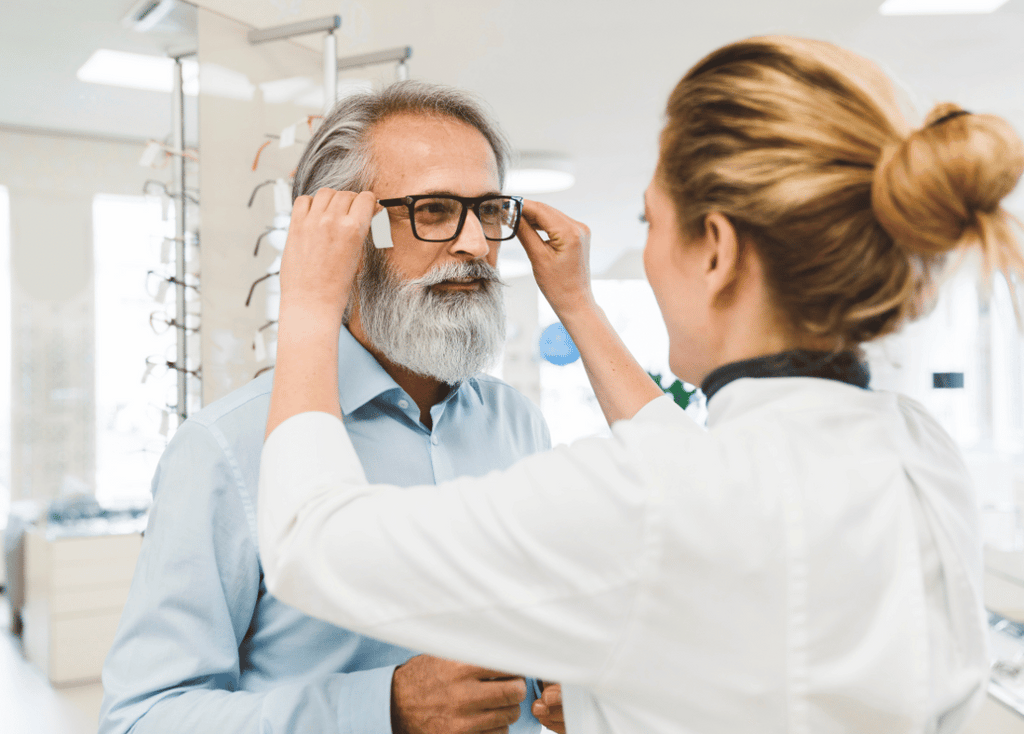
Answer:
[(723, 255)]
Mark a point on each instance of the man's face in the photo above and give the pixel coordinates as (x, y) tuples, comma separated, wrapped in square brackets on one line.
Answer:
[(435, 308), (417, 154)]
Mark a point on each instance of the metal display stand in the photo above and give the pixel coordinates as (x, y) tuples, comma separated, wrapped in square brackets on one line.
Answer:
[(180, 316), (329, 24), (332, 65)]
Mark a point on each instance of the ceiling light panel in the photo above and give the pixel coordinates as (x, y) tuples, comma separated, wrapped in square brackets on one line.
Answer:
[(939, 7), (136, 71)]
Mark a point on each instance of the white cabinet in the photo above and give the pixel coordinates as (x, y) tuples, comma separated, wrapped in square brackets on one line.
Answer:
[(75, 589)]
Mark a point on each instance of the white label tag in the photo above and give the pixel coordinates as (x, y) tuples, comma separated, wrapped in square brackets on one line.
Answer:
[(380, 229), (164, 423), (149, 154), (288, 137), (165, 250), (282, 197)]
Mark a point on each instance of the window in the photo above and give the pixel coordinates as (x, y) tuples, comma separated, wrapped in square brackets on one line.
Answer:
[(567, 400), (5, 355), (132, 414)]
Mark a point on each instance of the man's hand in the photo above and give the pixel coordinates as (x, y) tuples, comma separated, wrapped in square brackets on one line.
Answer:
[(548, 708), (435, 696)]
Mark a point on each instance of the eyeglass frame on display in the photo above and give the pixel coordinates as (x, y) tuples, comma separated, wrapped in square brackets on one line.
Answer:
[(467, 202)]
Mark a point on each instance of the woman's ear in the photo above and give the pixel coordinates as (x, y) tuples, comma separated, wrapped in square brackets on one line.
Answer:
[(723, 254)]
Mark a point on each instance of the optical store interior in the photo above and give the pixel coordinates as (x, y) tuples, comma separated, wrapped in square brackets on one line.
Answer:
[(146, 155)]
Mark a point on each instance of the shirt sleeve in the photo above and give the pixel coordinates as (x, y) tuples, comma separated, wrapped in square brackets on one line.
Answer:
[(530, 570), (174, 665)]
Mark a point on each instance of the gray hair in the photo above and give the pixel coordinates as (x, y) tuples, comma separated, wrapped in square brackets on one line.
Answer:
[(338, 156)]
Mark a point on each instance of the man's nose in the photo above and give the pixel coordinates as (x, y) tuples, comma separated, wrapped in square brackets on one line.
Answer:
[(471, 240)]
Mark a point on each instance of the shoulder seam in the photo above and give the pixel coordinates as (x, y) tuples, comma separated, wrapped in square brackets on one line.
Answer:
[(236, 473), (214, 416)]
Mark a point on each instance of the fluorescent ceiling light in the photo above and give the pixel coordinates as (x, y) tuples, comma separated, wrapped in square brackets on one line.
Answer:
[(155, 74), (939, 7), (540, 173), (136, 71)]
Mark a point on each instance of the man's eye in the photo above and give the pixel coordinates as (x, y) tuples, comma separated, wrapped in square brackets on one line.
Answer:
[(643, 218)]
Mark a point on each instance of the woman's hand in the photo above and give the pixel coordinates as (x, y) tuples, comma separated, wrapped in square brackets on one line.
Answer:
[(561, 264), (321, 259), (324, 249)]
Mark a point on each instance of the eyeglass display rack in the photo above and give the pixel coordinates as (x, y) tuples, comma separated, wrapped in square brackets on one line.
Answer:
[(331, 66), (1006, 643), (180, 315)]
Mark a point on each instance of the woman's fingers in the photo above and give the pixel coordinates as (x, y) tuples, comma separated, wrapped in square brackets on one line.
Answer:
[(325, 244), (562, 230), (561, 263)]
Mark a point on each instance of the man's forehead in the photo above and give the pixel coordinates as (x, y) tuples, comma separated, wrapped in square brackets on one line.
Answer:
[(429, 149)]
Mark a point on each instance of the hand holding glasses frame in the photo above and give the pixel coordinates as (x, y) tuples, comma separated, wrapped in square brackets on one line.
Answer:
[(440, 217)]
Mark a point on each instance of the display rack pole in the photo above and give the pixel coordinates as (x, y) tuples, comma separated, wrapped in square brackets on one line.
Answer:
[(178, 133), (330, 70)]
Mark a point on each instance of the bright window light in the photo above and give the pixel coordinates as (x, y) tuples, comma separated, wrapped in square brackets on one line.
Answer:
[(5, 356), (128, 236), (939, 7)]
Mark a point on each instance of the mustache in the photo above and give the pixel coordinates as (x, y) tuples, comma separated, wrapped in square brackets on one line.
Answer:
[(475, 269)]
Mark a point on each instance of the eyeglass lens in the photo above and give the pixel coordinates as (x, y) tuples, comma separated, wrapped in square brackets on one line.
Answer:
[(438, 218)]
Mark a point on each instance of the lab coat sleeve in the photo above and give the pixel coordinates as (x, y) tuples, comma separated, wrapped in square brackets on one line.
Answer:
[(530, 570), (174, 665)]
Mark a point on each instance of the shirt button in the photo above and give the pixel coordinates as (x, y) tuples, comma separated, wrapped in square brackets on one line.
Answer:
[(434, 440), (403, 404)]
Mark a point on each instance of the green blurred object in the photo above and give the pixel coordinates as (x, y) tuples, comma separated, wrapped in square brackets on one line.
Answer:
[(677, 390)]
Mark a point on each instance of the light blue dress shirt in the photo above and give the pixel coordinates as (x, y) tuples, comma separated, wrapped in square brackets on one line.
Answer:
[(202, 647)]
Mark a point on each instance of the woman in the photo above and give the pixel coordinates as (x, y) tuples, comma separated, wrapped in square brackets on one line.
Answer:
[(808, 563)]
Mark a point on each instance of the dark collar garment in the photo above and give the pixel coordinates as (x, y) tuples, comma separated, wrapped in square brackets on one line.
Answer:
[(841, 366)]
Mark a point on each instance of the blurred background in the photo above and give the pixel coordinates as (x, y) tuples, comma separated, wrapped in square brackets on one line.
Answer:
[(145, 151)]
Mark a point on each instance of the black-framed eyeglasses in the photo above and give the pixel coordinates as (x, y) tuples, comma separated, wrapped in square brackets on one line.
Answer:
[(440, 217)]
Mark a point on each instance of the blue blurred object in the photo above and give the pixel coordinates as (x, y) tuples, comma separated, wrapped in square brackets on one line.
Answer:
[(557, 347)]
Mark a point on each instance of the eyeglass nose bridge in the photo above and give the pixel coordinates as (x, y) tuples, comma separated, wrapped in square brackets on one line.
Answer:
[(475, 206)]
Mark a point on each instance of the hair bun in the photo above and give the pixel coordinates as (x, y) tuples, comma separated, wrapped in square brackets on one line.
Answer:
[(943, 184)]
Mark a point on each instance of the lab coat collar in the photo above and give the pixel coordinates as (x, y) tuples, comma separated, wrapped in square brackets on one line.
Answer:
[(841, 366)]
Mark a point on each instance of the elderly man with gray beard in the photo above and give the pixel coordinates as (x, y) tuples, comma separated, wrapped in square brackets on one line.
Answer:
[(202, 647)]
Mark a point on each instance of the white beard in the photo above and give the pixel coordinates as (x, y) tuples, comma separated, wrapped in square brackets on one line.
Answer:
[(447, 335)]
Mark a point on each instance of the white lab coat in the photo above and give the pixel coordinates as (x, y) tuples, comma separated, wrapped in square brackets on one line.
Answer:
[(809, 563)]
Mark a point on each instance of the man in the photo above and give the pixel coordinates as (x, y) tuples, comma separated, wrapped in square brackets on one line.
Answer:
[(201, 646)]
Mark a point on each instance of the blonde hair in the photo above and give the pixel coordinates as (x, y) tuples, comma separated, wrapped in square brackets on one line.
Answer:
[(802, 145)]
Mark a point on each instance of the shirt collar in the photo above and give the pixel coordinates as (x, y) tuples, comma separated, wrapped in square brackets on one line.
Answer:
[(361, 378)]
